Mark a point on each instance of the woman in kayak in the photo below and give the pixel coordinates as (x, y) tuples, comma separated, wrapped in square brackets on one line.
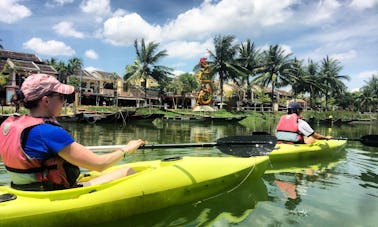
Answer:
[(39, 154), (293, 129)]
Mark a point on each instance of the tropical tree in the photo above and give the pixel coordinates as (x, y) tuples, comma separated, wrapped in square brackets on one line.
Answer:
[(299, 78), (368, 98), (331, 79), (145, 64), (62, 69), (276, 69), (183, 84), (223, 61), (250, 59)]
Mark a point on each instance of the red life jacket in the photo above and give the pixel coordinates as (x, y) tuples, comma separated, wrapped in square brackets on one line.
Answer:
[(52, 170), (287, 129)]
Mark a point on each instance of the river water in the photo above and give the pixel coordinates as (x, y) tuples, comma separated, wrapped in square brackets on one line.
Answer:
[(337, 192)]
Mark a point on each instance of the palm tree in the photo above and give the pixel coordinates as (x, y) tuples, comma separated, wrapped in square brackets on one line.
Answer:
[(250, 59), (330, 78), (224, 61), (314, 87), (299, 79), (1, 46), (369, 97), (74, 67), (145, 64), (276, 69)]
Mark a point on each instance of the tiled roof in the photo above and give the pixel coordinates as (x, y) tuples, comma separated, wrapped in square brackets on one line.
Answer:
[(5, 54), (25, 62), (106, 75)]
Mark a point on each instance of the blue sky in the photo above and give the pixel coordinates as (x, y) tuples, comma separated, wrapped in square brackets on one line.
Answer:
[(102, 32)]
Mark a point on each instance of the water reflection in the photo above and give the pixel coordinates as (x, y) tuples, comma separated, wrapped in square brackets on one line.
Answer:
[(306, 193), (156, 132), (229, 208)]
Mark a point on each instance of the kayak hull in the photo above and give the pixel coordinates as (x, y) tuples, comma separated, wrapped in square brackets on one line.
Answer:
[(302, 152), (157, 184)]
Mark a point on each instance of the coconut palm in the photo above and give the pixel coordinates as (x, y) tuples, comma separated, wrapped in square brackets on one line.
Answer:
[(145, 64), (276, 69), (223, 61), (330, 78), (250, 59), (74, 67), (369, 97)]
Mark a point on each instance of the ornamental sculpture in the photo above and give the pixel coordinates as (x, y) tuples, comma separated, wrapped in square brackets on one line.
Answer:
[(203, 75)]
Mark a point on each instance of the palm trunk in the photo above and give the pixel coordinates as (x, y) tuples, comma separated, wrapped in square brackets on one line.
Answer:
[(221, 89)]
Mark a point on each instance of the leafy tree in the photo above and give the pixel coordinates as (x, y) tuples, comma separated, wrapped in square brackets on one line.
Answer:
[(224, 61), (368, 98), (276, 69), (182, 85), (331, 79), (250, 59), (145, 64)]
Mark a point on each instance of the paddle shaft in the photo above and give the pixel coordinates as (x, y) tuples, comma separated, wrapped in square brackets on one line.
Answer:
[(368, 140), (152, 146)]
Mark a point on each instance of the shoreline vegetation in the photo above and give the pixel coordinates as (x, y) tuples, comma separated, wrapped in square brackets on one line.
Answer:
[(340, 116)]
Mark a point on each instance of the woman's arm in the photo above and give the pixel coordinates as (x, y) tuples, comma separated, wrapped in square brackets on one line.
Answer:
[(79, 155)]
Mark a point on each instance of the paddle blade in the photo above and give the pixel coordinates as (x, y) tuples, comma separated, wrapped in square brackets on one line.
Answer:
[(247, 146), (370, 140)]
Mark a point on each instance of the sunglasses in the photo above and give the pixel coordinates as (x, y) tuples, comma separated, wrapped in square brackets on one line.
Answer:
[(60, 96)]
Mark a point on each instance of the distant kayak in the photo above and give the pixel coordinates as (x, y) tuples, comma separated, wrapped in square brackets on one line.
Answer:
[(296, 152), (157, 184)]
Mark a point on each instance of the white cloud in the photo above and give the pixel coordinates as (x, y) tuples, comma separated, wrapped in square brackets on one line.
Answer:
[(187, 50), (177, 72), (233, 16), (367, 74), (12, 12), (286, 48), (51, 47), (324, 10), (97, 7), (207, 20), (91, 54), (91, 69), (67, 29), (125, 29), (351, 54), (362, 4), (63, 2)]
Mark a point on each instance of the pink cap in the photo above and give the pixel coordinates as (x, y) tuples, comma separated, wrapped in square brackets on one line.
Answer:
[(37, 85)]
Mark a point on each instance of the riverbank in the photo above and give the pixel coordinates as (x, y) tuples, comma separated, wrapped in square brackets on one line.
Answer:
[(245, 117)]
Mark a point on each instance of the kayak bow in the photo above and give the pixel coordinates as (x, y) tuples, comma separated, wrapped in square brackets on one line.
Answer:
[(157, 184)]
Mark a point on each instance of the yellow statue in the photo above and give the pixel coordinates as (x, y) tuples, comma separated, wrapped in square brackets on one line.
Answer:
[(206, 93)]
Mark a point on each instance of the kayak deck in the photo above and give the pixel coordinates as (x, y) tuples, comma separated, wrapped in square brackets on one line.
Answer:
[(157, 184), (298, 152)]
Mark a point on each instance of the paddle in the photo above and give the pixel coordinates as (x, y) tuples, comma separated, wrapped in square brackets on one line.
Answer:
[(241, 146), (368, 140)]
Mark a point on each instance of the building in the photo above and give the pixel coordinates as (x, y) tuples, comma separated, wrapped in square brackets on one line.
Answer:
[(95, 88), (17, 66)]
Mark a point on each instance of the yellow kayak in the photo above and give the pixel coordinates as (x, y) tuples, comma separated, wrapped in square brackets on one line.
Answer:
[(157, 184), (298, 152)]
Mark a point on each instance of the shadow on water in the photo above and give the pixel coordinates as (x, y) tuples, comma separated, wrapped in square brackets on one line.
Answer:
[(229, 207)]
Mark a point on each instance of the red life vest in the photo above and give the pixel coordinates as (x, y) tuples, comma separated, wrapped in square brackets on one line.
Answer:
[(287, 128), (52, 170)]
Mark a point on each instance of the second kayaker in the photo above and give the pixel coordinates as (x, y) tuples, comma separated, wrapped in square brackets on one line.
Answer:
[(39, 154), (292, 128)]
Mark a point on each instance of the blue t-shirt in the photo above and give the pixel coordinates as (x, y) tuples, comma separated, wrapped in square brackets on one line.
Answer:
[(46, 140)]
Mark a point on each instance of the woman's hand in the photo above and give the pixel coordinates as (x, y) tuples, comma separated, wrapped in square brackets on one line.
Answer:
[(132, 146)]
